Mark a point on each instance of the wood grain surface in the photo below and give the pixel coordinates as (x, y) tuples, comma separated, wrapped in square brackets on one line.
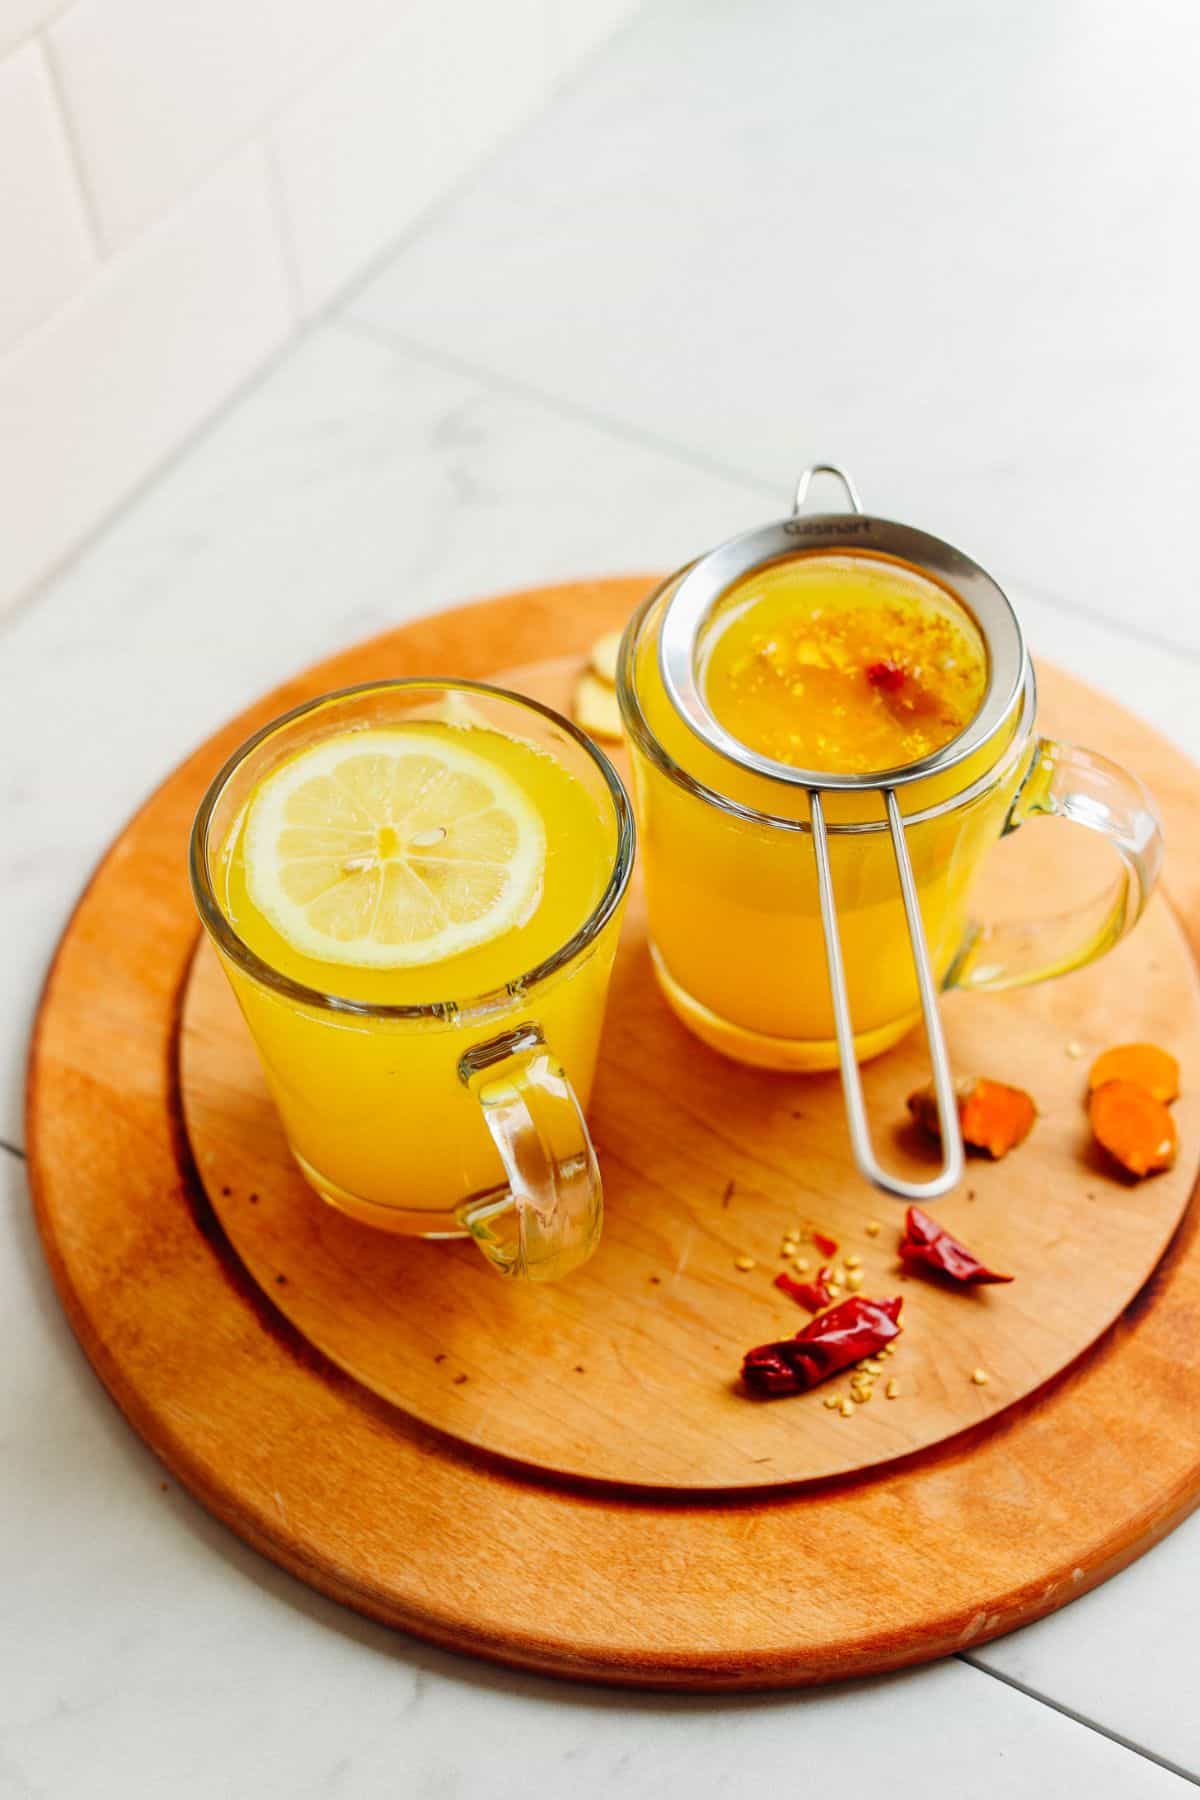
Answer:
[(935, 1550), (627, 1372)]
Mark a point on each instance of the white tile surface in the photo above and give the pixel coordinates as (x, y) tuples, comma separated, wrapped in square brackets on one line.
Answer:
[(92, 401), (1123, 1655), (159, 89), (47, 250), (158, 1655), (578, 27), (388, 131), (18, 18), (947, 244)]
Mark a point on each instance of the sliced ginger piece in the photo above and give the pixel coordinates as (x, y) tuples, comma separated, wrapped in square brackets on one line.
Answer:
[(596, 708), (992, 1116), (1135, 1128), (1147, 1066), (604, 654)]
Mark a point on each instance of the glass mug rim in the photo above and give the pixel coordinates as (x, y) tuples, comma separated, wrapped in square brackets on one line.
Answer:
[(227, 940), (644, 739)]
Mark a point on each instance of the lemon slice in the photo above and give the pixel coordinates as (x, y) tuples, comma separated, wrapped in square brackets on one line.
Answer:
[(390, 848)]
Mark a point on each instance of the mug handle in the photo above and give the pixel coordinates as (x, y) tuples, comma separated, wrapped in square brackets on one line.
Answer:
[(1065, 782), (548, 1221)]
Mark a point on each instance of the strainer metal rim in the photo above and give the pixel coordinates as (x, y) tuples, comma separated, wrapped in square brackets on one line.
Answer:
[(705, 583)]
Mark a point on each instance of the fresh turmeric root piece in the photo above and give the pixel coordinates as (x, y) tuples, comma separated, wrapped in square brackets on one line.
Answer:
[(991, 1116), (1145, 1065), (1134, 1127)]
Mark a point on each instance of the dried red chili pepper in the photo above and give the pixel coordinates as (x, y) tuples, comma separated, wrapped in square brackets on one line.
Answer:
[(812, 1294), (826, 1245), (925, 1241), (843, 1335), (887, 676)]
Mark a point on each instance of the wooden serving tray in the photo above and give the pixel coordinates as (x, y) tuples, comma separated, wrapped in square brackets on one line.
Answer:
[(568, 1478)]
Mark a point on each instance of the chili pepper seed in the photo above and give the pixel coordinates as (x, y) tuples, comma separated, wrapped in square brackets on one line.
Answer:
[(892, 1390), (832, 1400), (979, 1377), (1074, 1050), (854, 1280), (801, 1265), (743, 1263), (872, 1367), (846, 1409), (860, 1396), (873, 1228), (852, 1260)]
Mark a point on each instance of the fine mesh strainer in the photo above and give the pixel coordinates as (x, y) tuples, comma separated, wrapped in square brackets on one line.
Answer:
[(687, 613)]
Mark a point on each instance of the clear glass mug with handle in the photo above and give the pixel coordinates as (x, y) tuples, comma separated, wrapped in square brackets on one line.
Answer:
[(768, 962), (457, 1111)]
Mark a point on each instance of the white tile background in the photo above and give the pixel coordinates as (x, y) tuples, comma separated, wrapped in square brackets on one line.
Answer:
[(275, 146), (392, 127), (112, 382), (44, 231), (951, 244), (18, 18), (953, 240)]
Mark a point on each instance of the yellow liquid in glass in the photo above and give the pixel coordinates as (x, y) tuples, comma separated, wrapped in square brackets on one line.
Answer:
[(733, 904), (373, 1107)]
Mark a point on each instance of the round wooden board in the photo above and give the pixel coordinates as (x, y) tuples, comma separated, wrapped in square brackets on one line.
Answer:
[(627, 1373), (1015, 1515)]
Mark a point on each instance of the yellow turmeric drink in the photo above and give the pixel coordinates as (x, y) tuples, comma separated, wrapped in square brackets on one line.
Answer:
[(832, 663), (843, 664), (405, 865)]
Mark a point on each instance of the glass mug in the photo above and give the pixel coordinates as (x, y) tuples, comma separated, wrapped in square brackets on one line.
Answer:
[(463, 1114), (731, 882)]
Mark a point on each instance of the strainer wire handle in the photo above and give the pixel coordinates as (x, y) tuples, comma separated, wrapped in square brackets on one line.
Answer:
[(826, 468), (943, 1080)]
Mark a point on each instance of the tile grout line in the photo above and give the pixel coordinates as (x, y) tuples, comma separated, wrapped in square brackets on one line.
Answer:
[(284, 233), (66, 119), (556, 403), (17, 606), (29, 32), (1075, 610), (1078, 1718)]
